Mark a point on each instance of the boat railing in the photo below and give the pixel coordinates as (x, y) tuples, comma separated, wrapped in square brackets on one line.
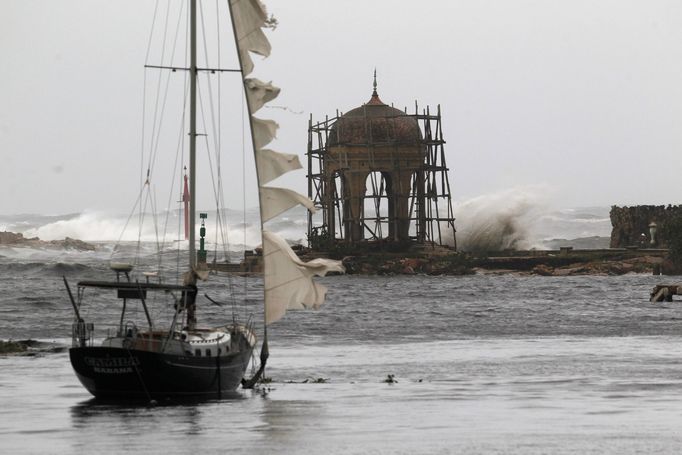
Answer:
[(82, 334)]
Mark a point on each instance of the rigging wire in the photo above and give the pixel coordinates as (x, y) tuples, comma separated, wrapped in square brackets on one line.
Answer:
[(216, 132), (142, 136), (216, 179), (157, 124), (154, 124), (146, 199), (144, 90), (125, 226), (155, 218), (221, 204), (156, 133), (244, 122), (151, 32), (143, 211), (158, 88), (179, 158), (213, 179)]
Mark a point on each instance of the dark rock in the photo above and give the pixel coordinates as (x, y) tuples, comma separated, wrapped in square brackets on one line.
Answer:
[(543, 270), (11, 238), (630, 225), (18, 239)]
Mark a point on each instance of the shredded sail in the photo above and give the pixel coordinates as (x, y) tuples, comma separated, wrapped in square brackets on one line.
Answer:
[(249, 17), (258, 93), (272, 164), (275, 201), (288, 280), (264, 131)]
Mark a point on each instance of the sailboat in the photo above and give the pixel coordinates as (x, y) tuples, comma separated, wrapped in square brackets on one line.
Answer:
[(186, 359)]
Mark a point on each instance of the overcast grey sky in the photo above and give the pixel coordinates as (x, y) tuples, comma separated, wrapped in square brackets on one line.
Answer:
[(583, 98)]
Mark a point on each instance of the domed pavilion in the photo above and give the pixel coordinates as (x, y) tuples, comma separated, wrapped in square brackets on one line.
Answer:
[(372, 172)]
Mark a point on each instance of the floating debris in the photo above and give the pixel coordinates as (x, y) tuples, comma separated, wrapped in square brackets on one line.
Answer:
[(390, 379), (29, 347), (311, 381), (12, 347)]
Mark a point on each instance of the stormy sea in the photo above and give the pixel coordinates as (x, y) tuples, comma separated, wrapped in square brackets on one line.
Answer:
[(478, 364)]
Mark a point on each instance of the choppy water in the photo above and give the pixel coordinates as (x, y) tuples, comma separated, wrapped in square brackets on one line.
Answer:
[(485, 364)]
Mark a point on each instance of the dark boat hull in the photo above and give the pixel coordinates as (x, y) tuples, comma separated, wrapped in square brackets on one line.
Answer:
[(119, 373)]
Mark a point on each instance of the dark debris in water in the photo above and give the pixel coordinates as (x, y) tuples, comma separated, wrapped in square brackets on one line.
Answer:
[(12, 347), (310, 381), (316, 380), (29, 347), (390, 379)]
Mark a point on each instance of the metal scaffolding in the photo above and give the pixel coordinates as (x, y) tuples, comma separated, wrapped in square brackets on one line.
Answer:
[(430, 215)]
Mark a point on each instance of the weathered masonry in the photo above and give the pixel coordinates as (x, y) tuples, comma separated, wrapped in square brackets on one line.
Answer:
[(641, 225)]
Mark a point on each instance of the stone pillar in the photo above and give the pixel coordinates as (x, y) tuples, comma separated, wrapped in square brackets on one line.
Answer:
[(354, 190), (401, 194)]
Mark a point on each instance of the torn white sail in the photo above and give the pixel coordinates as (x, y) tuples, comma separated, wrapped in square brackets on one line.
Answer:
[(249, 17), (288, 280), (264, 131), (258, 93), (273, 164), (275, 201)]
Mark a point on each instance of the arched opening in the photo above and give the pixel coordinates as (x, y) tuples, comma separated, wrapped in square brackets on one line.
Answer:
[(339, 204), (379, 206)]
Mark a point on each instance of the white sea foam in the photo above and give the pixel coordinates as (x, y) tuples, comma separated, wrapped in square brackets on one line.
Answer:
[(514, 218), (499, 221), (89, 226), (242, 230), (522, 218)]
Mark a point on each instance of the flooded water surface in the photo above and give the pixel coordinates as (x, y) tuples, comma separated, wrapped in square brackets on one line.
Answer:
[(483, 364)]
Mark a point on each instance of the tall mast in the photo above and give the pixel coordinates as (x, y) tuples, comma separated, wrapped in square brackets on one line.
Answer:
[(192, 128)]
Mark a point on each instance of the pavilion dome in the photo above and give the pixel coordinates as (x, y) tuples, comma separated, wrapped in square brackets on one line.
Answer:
[(375, 123)]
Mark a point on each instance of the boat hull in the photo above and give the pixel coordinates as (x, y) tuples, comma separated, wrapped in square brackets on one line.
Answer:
[(120, 373)]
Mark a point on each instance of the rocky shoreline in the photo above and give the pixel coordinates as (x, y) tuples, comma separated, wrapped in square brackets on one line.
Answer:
[(459, 266), (435, 260), (14, 239), (648, 265), (562, 262)]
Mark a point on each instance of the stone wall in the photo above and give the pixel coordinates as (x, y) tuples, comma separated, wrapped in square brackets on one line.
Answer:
[(629, 223)]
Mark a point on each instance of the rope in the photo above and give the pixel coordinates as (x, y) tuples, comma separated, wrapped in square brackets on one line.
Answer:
[(219, 225), (158, 117), (219, 149), (139, 376), (179, 157), (125, 226), (158, 89), (216, 178), (216, 136), (243, 123)]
